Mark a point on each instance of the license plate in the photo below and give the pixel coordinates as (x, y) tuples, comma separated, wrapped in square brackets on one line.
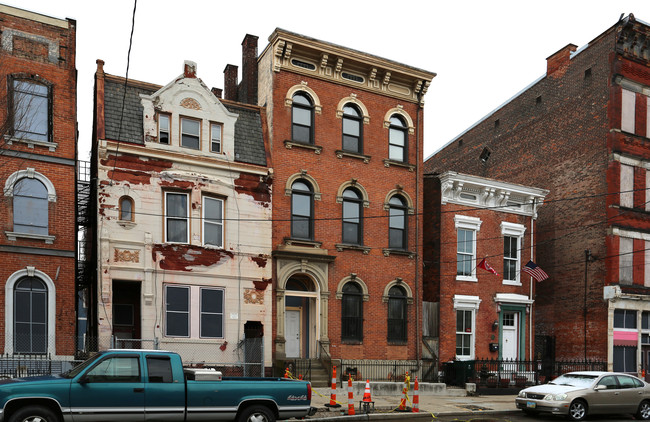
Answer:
[(531, 404)]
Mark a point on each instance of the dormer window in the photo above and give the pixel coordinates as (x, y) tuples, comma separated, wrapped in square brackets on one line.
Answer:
[(215, 137), (190, 133), (163, 129)]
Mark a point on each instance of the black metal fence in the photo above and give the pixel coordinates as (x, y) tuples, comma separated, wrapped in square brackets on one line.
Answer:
[(496, 373), (391, 371), (26, 365)]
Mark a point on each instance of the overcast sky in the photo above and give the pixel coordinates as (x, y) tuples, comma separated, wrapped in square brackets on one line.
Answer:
[(484, 52)]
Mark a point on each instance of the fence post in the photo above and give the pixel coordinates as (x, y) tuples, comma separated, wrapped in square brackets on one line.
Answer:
[(156, 343)]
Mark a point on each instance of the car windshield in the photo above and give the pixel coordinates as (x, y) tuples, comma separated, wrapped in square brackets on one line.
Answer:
[(77, 369), (575, 380)]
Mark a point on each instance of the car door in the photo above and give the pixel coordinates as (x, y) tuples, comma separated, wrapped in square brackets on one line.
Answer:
[(605, 400), (631, 393), (111, 390), (165, 390)]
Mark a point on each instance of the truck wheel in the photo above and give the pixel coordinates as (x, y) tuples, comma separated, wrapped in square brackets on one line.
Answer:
[(34, 414), (256, 414)]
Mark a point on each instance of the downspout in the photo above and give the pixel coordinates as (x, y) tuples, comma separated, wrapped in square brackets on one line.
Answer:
[(532, 243), (418, 244)]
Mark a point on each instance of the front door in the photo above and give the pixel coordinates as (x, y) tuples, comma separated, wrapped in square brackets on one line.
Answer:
[(510, 336), (292, 325), (645, 362)]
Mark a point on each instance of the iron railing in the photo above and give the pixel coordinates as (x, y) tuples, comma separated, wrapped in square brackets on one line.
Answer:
[(381, 370), (513, 373), (28, 365)]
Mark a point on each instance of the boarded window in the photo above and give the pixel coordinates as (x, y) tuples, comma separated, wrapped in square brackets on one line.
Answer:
[(628, 100)]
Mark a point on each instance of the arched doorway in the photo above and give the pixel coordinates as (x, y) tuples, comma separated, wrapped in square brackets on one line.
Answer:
[(301, 311)]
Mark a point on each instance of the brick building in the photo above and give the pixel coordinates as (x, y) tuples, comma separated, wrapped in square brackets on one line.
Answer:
[(183, 221), (38, 149), (581, 131), (482, 315), (346, 139)]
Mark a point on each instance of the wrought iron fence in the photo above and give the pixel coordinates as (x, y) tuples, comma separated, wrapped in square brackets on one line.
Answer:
[(28, 365), (497, 373), (378, 370)]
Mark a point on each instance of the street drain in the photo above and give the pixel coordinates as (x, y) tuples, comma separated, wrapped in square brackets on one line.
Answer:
[(473, 407)]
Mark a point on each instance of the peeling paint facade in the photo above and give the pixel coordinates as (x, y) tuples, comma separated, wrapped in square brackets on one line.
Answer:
[(183, 219)]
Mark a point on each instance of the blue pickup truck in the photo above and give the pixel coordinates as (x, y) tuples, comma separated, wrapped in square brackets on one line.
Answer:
[(149, 385)]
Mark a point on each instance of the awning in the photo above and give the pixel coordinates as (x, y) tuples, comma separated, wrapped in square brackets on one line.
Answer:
[(626, 338)]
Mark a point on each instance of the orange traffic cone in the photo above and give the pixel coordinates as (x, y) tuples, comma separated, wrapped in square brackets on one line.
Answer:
[(350, 397), (402, 403), (333, 402), (416, 396), (366, 393)]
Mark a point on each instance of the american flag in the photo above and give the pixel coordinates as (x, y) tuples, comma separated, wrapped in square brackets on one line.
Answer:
[(535, 271)]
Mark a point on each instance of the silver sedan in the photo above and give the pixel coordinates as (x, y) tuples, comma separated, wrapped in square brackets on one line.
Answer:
[(577, 394)]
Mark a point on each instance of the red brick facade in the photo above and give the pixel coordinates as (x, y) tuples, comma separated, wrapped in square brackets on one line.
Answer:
[(39, 51), (565, 133), (325, 263)]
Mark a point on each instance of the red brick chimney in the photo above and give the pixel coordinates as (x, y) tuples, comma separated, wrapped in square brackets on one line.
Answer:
[(559, 60), (189, 69), (218, 92), (248, 87), (230, 82)]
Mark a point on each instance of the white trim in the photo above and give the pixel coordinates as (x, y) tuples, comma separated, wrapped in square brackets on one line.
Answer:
[(220, 222), (512, 229), (468, 303), (469, 223), (472, 224), (51, 308), (517, 231), (187, 217), (513, 298), (30, 173), (617, 231)]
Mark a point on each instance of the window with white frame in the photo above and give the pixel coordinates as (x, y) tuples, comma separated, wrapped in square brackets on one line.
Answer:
[(628, 106), (216, 131), (626, 193), (213, 221), (212, 307), (177, 311), (164, 128), (190, 133), (466, 231), (177, 224), (194, 312), (625, 260), (513, 234), (466, 308)]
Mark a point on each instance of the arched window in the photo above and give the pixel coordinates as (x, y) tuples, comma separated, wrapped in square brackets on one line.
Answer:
[(352, 129), (302, 119), (397, 223), (30, 207), (397, 139), (30, 316), (352, 217), (126, 208), (396, 314), (302, 210), (352, 312)]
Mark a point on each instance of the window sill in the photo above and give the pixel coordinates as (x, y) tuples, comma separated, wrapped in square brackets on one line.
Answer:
[(31, 143), (404, 252), (389, 162), (341, 154), (289, 241), (340, 247), (290, 144), (12, 236), (465, 278), (398, 343), (511, 283), (127, 225), (352, 342)]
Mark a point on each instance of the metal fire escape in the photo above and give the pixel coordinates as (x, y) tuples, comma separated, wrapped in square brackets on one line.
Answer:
[(83, 220)]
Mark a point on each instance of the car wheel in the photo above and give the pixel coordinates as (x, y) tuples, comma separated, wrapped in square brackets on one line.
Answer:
[(257, 414), (34, 414), (578, 410), (644, 410)]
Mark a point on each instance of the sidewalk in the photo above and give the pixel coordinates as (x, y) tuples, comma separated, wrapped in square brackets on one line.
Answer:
[(430, 405)]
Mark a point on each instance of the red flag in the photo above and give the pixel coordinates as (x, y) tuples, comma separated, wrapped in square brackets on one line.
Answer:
[(484, 265)]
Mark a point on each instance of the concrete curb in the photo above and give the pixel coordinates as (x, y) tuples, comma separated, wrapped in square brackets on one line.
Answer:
[(422, 415)]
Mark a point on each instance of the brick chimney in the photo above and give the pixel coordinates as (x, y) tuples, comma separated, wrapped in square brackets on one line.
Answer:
[(248, 87), (230, 82), (218, 92), (189, 69), (559, 60)]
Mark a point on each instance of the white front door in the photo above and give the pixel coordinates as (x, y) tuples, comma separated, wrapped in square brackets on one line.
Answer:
[(510, 335), (292, 330)]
